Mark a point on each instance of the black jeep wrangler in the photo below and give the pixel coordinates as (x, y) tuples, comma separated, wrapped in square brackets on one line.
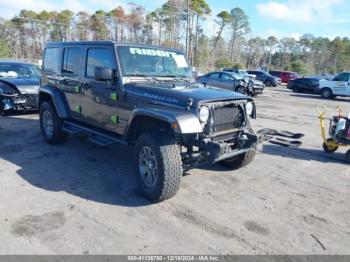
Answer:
[(144, 96)]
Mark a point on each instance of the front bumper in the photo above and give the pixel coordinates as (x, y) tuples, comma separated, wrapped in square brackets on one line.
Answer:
[(219, 148), (258, 89), (19, 102), (238, 144)]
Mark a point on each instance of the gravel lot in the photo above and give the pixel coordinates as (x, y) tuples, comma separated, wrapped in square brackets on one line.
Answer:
[(82, 199)]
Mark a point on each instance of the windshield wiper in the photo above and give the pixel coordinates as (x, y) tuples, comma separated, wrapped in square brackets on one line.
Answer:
[(143, 75), (176, 78)]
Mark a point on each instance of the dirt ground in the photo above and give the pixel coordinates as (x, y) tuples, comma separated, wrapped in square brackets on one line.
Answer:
[(80, 198)]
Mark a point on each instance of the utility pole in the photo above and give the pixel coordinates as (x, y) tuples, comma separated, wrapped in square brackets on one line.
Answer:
[(187, 27)]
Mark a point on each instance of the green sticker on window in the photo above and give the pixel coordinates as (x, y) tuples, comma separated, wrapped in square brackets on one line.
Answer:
[(77, 89), (114, 96), (114, 119)]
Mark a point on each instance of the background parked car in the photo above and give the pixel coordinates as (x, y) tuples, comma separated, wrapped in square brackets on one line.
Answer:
[(19, 86), (266, 78), (225, 80), (239, 71), (255, 86), (338, 86), (304, 84), (284, 75)]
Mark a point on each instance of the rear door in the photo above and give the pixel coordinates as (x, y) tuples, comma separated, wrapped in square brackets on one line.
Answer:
[(341, 84), (71, 79), (100, 98)]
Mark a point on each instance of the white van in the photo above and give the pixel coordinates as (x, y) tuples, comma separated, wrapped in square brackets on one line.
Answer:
[(338, 86)]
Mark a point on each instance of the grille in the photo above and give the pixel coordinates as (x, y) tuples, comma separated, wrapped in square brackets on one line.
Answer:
[(226, 118)]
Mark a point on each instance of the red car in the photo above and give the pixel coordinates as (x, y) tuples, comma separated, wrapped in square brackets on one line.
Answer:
[(285, 75)]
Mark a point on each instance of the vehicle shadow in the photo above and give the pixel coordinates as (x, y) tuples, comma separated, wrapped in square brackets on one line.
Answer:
[(79, 168), (315, 96), (303, 154)]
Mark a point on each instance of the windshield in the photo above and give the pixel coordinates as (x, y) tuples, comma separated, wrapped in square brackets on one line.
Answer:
[(19, 71), (238, 76), (137, 61)]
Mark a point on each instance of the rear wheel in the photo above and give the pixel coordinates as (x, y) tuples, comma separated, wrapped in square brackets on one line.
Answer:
[(159, 166), (329, 148), (51, 125), (326, 93), (240, 160)]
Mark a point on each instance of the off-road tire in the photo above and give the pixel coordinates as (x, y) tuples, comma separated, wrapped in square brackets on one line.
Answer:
[(58, 135), (347, 157), (327, 149), (327, 93), (169, 166), (240, 161)]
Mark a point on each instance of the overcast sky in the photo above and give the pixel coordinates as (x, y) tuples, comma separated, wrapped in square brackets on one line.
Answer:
[(279, 17)]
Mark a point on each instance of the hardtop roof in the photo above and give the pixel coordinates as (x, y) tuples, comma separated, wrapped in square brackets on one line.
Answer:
[(72, 43)]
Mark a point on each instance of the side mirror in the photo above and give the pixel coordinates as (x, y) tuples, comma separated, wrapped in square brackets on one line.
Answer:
[(104, 74)]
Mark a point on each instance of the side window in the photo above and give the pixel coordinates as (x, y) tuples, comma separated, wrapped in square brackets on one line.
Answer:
[(98, 57), (71, 61), (342, 77), (52, 60), (226, 77), (314, 82), (215, 75)]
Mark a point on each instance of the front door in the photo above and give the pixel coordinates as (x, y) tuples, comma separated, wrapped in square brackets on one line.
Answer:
[(214, 79), (71, 79), (227, 82), (341, 84), (100, 98)]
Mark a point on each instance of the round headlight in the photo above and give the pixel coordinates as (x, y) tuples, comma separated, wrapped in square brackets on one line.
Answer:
[(249, 107), (204, 114)]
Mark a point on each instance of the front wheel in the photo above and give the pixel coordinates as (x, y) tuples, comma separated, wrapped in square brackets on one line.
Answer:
[(240, 161), (158, 166), (268, 83), (328, 147), (347, 157), (326, 93), (51, 125), (241, 90)]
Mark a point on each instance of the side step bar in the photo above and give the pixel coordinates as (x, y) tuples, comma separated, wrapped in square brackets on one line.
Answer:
[(94, 136)]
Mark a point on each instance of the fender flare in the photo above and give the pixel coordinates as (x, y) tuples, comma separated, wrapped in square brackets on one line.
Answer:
[(59, 102), (181, 122)]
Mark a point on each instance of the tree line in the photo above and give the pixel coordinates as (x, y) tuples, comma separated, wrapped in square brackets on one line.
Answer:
[(177, 24)]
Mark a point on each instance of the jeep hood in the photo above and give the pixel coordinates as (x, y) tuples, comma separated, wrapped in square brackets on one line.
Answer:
[(181, 93), (24, 85)]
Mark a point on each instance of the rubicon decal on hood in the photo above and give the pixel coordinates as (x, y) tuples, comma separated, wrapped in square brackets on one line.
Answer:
[(156, 97)]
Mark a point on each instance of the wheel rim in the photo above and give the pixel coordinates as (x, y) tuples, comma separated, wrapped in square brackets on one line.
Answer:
[(148, 166), (241, 90), (47, 123), (326, 93)]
